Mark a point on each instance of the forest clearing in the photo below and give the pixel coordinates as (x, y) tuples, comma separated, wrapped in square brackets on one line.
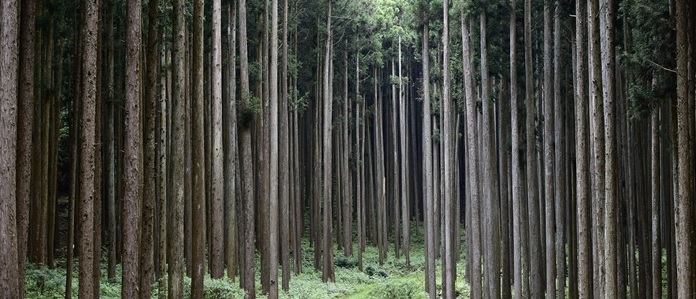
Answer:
[(347, 149)]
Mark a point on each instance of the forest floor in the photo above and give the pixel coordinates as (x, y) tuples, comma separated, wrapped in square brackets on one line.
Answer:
[(393, 280)]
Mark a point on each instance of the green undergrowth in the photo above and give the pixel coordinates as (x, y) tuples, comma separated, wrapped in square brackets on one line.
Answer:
[(391, 280)]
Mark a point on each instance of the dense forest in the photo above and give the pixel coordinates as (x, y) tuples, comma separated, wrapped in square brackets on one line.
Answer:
[(421, 148)]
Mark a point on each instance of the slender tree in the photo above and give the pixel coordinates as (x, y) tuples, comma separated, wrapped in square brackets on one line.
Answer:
[(87, 194), (328, 268), (472, 166), (175, 234), (197, 156), (231, 148), (132, 176), (549, 171), (9, 65), (218, 178), (284, 159), (427, 165), (273, 200), (25, 142), (448, 252)]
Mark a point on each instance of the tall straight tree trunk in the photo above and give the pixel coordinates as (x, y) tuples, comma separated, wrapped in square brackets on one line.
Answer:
[(109, 149), (559, 156), (197, 156), (395, 169), (535, 250), (405, 198), (217, 209), (656, 252), (247, 170), (490, 190), (596, 144), (149, 197), (448, 254), (347, 202), (163, 173), (175, 233), (231, 156), (584, 262), (549, 171), (132, 176), (428, 169), (328, 268), (518, 199), (273, 169), (284, 158), (25, 143), (89, 94), (684, 222), (9, 66), (611, 192), (472, 166)]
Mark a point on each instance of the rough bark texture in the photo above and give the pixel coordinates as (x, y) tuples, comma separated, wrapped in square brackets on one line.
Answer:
[(405, 195), (448, 252), (217, 209), (89, 95), (149, 195), (491, 208), (582, 160), (684, 208), (428, 170), (535, 251), (273, 169), (25, 144), (231, 149), (175, 234), (284, 160), (611, 191), (132, 174), (197, 157), (559, 156), (472, 167), (656, 252), (328, 268), (549, 171), (519, 205), (9, 281)]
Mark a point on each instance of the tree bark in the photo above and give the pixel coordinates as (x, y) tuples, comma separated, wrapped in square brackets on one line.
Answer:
[(175, 233), (549, 170), (428, 169), (25, 143), (328, 268), (448, 254), (89, 94), (284, 159), (9, 66), (197, 156), (132, 175), (472, 166), (231, 152)]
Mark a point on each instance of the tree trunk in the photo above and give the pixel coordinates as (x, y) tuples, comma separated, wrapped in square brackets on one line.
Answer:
[(197, 156), (231, 156), (535, 249), (25, 143), (584, 262), (9, 65), (175, 233), (328, 268), (89, 94), (549, 171), (472, 166), (518, 199), (446, 141), (284, 158), (559, 155), (132, 176), (684, 222), (656, 252), (428, 169)]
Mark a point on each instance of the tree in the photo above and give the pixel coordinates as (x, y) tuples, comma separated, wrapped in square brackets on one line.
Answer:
[(584, 254), (472, 167), (448, 252), (149, 176), (132, 176), (535, 258), (518, 199), (25, 143), (684, 207), (549, 171), (328, 268), (427, 166), (247, 170), (87, 194), (273, 194), (491, 228), (197, 156), (9, 65), (231, 149), (175, 233), (218, 178), (284, 159)]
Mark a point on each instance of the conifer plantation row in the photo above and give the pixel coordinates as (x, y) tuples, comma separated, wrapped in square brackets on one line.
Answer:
[(526, 148)]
